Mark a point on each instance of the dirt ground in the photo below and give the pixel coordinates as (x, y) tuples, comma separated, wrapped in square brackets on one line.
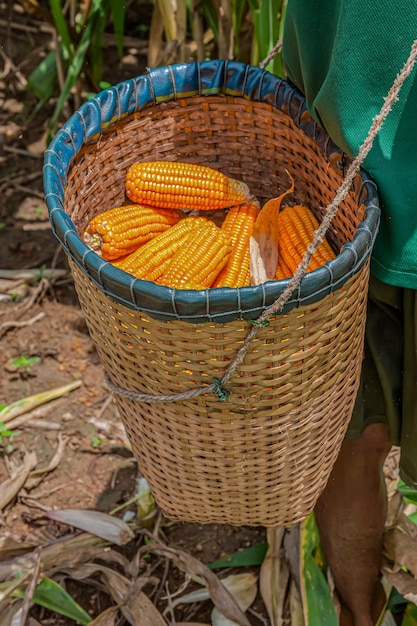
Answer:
[(83, 459)]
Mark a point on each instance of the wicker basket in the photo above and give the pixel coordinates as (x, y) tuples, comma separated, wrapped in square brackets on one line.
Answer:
[(263, 456)]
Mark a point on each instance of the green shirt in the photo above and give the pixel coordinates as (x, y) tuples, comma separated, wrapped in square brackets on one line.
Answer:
[(344, 56)]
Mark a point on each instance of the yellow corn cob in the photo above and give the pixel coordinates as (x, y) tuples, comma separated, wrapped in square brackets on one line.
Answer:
[(174, 185), (199, 262), (283, 271), (238, 224), (296, 231), (118, 232), (194, 286), (151, 260)]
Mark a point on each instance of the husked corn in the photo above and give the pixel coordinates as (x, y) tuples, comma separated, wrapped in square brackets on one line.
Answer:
[(238, 224), (297, 225), (175, 185), (199, 262), (119, 231)]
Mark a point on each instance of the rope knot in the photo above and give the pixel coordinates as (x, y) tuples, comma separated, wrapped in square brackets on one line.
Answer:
[(259, 323), (220, 392)]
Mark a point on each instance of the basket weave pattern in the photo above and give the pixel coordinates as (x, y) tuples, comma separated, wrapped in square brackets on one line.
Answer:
[(264, 455)]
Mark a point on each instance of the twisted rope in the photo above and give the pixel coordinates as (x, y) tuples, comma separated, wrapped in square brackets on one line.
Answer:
[(218, 385), (263, 64)]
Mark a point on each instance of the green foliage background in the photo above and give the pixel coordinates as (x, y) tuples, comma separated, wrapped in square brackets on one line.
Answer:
[(176, 31)]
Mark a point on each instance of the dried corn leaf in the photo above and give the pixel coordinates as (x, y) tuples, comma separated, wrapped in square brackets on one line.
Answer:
[(137, 609), (296, 608), (27, 404), (396, 507), (264, 240), (54, 462), (400, 545), (107, 617), (243, 588), (403, 582), (274, 576), (68, 552), (219, 595), (11, 487), (11, 614), (145, 500), (143, 612), (9, 548), (117, 585), (238, 585), (100, 524)]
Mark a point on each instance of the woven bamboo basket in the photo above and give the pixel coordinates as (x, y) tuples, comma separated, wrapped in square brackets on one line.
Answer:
[(263, 455)]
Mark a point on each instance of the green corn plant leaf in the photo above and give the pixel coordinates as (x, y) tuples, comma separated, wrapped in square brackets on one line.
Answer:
[(396, 601), (73, 73), (210, 13), (410, 615), (118, 10), (54, 597), (249, 557), (62, 27), (97, 17), (239, 9), (317, 601), (408, 493), (268, 20), (43, 79)]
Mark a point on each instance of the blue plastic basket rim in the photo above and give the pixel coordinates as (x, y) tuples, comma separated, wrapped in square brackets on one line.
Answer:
[(221, 305)]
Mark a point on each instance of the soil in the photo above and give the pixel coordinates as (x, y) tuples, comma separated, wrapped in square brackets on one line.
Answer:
[(44, 342)]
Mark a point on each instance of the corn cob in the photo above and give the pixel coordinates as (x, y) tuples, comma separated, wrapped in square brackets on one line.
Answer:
[(152, 259), (173, 185), (283, 271), (238, 224), (197, 264), (296, 231), (118, 232)]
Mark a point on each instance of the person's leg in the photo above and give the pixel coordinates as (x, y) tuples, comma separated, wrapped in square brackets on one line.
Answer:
[(350, 516)]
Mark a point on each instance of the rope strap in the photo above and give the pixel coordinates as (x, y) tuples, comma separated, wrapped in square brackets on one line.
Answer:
[(263, 320)]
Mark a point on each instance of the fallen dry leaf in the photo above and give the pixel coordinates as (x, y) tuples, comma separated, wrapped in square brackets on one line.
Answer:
[(219, 595), (274, 576), (296, 607), (239, 585), (106, 618), (54, 462), (243, 588), (400, 544), (10, 548), (136, 607), (24, 405), (68, 552), (117, 584), (96, 523), (143, 612), (402, 581), (11, 487)]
